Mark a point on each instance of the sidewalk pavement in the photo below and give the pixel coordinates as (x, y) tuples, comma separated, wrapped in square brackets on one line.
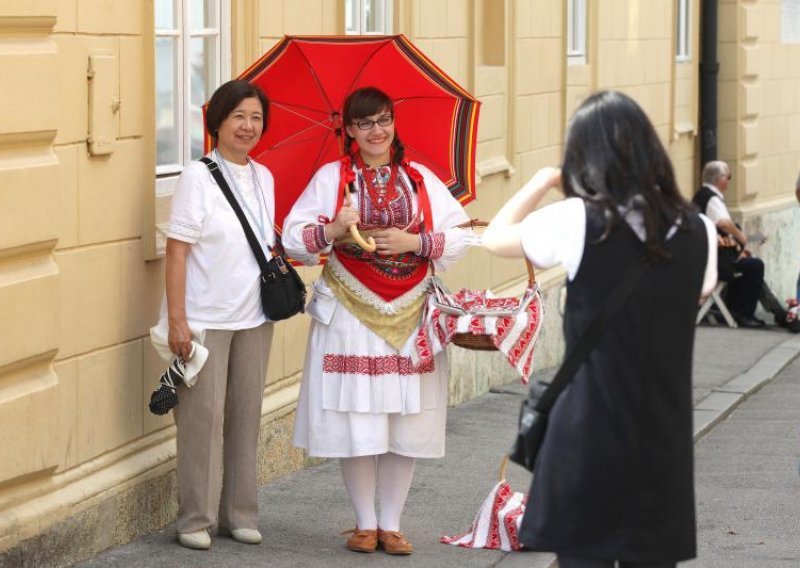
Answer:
[(747, 486), (745, 492)]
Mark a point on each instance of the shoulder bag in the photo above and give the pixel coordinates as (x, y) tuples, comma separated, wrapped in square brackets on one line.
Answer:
[(535, 410), (728, 253), (283, 293)]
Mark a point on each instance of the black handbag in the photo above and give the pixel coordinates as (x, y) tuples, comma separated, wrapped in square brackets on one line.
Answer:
[(283, 293), (727, 257), (535, 410)]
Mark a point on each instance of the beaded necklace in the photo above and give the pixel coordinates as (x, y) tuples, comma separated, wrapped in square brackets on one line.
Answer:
[(382, 189)]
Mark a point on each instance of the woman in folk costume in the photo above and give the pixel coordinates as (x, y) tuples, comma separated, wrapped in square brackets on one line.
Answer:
[(613, 483), (362, 399)]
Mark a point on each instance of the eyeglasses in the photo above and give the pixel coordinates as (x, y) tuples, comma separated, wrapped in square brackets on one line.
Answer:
[(730, 177), (367, 124)]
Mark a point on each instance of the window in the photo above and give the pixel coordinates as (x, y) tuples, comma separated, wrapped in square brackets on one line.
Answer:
[(790, 21), (192, 54), (683, 41), (368, 17), (576, 32)]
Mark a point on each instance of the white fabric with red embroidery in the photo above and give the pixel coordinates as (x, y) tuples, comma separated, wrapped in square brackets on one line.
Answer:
[(359, 396), (513, 324), (496, 526), (366, 398)]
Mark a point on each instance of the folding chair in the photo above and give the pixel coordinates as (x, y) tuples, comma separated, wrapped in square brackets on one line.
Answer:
[(715, 299)]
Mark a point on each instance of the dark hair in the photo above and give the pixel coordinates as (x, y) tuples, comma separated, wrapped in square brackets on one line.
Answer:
[(365, 102), (226, 98), (613, 157)]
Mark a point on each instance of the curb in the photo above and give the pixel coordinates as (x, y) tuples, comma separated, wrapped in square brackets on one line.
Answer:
[(716, 406)]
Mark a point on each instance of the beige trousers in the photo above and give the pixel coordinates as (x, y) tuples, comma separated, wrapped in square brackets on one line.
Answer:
[(224, 403)]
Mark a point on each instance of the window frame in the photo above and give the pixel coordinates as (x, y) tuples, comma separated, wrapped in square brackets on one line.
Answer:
[(577, 27), (361, 7), (683, 33), (166, 174)]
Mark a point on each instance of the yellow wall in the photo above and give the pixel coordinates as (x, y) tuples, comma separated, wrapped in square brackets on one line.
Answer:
[(759, 131), (760, 109), (77, 295)]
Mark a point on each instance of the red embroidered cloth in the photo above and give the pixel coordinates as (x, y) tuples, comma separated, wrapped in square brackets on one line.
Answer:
[(513, 330)]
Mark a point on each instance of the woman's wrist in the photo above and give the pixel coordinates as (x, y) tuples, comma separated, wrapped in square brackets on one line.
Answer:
[(330, 232), (176, 319)]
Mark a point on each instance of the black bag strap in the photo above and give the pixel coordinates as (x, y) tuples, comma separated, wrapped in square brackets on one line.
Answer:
[(594, 332), (261, 258)]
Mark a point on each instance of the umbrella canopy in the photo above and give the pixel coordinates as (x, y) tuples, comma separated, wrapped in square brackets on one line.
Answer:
[(307, 80)]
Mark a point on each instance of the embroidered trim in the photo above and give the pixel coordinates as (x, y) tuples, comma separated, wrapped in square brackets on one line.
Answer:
[(369, 297), (372, 366), (319, 237), (437, 245), (399, 211), (185, 228), (314, 238), (426, 245)]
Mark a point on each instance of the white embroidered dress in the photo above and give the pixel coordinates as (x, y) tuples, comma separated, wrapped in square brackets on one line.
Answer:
[(359, 395)]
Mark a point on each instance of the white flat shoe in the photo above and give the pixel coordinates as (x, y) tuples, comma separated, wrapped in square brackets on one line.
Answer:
[(246, 536), (198, 540)]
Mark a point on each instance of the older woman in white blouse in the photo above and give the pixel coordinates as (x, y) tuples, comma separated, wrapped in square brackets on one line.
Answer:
[(212, 288)]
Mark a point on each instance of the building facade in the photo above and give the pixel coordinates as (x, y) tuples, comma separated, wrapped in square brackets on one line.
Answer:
[(100, 111)]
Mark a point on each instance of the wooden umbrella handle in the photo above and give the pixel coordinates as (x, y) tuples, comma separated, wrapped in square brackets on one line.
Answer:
[(369, 244)]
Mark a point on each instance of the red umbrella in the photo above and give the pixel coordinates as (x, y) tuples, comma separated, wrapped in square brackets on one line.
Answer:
[(307, 79)]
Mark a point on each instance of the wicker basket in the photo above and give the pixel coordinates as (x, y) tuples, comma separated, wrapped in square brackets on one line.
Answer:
[(484, 342)]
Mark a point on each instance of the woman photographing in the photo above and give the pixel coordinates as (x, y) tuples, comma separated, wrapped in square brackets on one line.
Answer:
[(613, 481)]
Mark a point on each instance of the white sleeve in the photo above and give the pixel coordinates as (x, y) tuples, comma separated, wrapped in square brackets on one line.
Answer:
[(710, 276), (190, 205), (556, 234), (318, 198), (447, 213), (716, 210)]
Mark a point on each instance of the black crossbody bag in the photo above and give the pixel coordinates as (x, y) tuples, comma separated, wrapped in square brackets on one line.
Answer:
[(283, 293), (535, 410)]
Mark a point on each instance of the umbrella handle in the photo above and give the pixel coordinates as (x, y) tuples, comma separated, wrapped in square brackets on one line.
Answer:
[(368, 245)]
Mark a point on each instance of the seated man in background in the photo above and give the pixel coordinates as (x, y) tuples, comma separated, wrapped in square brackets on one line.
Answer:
[(747, 287), (797, 194)]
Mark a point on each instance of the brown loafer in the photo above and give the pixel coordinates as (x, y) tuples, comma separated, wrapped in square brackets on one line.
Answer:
[(394, 542), (362, 540)]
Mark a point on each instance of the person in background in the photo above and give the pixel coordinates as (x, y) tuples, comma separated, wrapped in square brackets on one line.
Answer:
[(748, 287), (613, 482), (797, 195), (212, 288), (362, 400)]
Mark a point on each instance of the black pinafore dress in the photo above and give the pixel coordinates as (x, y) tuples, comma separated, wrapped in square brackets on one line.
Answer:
[(614, 479)]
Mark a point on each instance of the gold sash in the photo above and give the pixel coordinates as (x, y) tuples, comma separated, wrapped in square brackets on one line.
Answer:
[(394, 328)]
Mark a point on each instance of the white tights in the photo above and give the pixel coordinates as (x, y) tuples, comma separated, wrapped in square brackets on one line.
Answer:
[(391, 474)]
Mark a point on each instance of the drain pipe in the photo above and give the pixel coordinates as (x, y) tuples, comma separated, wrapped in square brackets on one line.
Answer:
[(709, 70)]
